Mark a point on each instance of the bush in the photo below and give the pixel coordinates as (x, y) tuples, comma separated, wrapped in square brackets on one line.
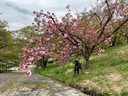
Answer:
[(4, 71)]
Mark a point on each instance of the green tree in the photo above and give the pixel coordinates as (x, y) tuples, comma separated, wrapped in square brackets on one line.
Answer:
[(27, 32)]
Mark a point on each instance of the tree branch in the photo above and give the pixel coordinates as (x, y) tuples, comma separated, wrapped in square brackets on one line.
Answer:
[(104, 27), (3, 46), (114, 31), (99, 19), (71, 35), (62, 32)]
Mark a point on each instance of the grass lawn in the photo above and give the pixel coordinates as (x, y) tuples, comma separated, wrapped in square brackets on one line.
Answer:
[(108, 73)]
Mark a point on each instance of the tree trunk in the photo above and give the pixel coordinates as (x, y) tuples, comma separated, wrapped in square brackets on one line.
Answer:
[(6, 67), (86, 63), (114, 40), (2, 67), (44, 64), (119, 39), (86, 54), (42, 61), (36, 65)]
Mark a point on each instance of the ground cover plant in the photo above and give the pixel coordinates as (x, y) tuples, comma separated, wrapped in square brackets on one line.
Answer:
[(107, 73)]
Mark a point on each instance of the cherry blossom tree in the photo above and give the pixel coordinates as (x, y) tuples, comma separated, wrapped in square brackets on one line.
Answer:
[(86, 34), (34, 51), (39, 49), (81, 34)]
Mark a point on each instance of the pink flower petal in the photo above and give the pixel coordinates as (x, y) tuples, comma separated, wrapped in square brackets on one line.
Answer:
[(18, 36), (28, 74), (39, 67)]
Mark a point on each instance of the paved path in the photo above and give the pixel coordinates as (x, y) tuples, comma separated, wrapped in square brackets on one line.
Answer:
[(36, 85), (7, 78)]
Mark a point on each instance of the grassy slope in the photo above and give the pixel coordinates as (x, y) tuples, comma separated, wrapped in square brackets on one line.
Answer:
[(107, 73)]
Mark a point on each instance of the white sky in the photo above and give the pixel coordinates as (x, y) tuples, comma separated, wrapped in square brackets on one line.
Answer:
[(19, 13)]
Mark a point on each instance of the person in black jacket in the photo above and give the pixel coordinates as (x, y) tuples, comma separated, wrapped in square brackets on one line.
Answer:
[(77, 67)]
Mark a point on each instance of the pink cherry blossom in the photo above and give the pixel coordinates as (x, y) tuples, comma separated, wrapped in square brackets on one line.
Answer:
[(73, 54), (36, 29), (26, 67), (30, 58), (102, 50), (54, 48), (74, 47), (80, 47), (78, 16), (65, 36), (60, 41), (47, 31), (111, 44), (28, 73), (39, 67), (24, 49), (90, 10), (47, 16), (54, 63), (123, 33), (59, 34), (47, 39), (41, 52), (43, 48), (106, 41), (50, 21), (22, 64), (30, 50), (53, 44), (34, 12), (18, 37), (20, 69), (31, 41), (20, 56), (31, 62), (36, 48), (46, 53), (38, 58), (19, 53), (34, 53), (52, 36), (73, 27), (99, 54)]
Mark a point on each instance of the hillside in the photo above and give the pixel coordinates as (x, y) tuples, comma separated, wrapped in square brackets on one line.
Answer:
[(108, 73)]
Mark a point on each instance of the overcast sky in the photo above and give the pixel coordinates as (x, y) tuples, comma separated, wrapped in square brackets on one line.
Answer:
[(19, 13)]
